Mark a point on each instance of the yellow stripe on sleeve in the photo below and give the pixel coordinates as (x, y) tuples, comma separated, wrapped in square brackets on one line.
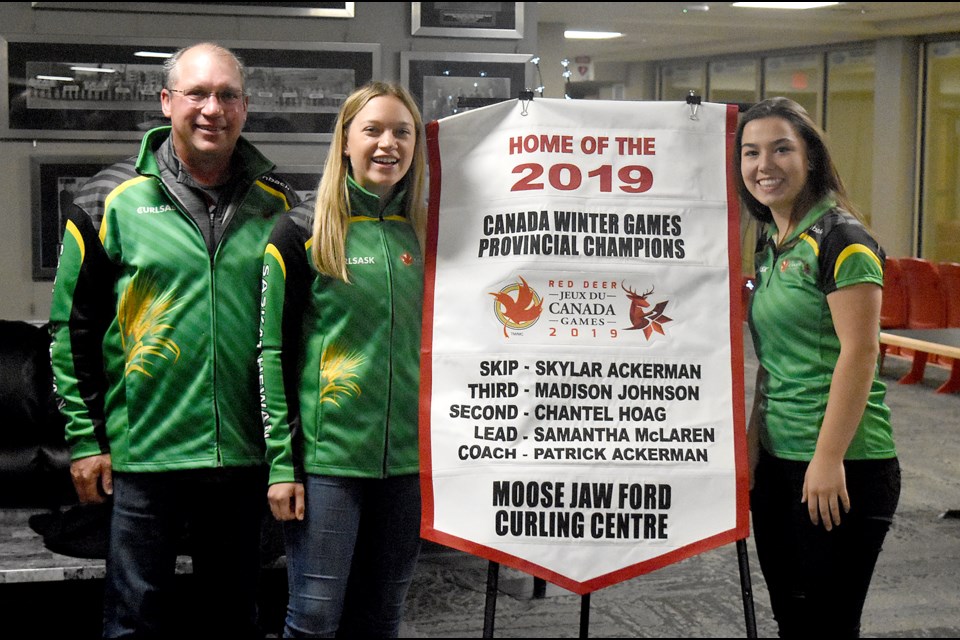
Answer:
[(123, 186), (73, 231), (851, 250), (273, 251)]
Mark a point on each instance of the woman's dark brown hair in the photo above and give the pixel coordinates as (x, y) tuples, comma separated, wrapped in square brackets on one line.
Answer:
[(822, 180)]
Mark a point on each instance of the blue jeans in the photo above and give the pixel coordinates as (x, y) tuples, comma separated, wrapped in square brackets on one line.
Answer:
[(351, 559), (218, 512), (818, 579)]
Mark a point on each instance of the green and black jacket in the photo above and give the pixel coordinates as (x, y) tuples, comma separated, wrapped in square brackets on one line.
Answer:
[(155, 317), (341, 361)]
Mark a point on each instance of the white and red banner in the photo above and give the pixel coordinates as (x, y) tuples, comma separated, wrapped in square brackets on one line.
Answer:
[(582, 387)]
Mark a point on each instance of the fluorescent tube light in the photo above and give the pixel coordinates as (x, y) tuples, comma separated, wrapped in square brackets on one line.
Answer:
[(93, 69), (591, 35), (783, 5)]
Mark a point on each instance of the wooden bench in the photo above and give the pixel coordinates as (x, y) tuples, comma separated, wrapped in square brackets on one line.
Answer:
[(924, 342)]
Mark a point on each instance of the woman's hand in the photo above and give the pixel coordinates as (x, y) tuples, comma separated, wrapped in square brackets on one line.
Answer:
[(286, 500), (825, 491)]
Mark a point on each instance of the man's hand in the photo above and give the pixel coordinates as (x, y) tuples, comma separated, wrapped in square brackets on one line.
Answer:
[(92, 478)]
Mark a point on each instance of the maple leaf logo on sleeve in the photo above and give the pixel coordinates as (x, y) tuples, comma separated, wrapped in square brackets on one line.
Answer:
[(517, 313)]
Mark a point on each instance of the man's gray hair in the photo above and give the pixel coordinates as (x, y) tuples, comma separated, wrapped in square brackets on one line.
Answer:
[(170, 64)]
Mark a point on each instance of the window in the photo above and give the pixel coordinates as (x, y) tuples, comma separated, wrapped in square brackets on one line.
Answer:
[(838, 90), (677, 80), (849, 122), (799, 78), (734, 81), (940, 210)]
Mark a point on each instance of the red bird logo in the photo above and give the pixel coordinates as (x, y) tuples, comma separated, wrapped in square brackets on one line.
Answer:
[(647, 321), (519, 313)]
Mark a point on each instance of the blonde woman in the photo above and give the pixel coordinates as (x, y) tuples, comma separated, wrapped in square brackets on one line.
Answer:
[(341, 315)]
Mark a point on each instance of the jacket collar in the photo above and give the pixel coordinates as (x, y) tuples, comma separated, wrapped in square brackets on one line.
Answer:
[(247, 161), (816, 212), (362, 202)]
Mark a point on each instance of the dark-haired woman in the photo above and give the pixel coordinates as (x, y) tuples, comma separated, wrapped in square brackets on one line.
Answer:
[(825, 477)]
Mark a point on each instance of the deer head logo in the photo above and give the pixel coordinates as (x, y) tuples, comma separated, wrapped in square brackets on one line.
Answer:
[(642, 316)]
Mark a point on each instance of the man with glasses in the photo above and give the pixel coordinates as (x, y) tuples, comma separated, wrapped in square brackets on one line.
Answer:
[(155, 321)]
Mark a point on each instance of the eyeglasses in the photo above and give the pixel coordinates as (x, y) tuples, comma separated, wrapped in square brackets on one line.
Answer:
[(199, 97)]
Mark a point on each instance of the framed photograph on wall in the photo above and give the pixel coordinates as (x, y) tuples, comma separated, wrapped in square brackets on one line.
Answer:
[(59, 88), (53, 181), (446, 83), (467, 19), (286, 9)]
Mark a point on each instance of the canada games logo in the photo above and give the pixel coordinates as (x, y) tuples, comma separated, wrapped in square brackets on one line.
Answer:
[(642, 317), (520, 312)]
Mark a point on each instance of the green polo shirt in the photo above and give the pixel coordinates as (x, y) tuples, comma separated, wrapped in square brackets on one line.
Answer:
[(794, 336)]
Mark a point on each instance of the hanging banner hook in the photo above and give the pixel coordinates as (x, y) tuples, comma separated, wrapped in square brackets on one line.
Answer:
[(526, 97), (694, 101)]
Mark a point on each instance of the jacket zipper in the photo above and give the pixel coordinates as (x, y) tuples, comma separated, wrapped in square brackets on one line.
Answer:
[(214, 248), (213, 310), (386, 430)]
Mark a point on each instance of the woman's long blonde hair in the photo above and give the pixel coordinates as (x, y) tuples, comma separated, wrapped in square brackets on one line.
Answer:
[(332, 213)]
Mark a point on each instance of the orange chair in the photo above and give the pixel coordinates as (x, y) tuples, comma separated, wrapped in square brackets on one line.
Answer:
[(893, 310), (950, 278), (926, 306), (926, 301)]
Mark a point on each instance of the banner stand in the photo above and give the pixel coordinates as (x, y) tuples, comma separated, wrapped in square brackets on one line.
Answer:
[(585, 615), (490, 609), (746, 589), (540, 585)]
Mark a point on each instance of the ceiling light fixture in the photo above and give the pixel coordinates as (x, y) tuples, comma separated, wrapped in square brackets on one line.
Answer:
[(152, 54), (93, 69), (591, 35), (783, 5)]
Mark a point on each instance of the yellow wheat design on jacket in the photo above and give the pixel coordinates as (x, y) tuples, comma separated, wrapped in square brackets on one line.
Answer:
[(338, 368), (141, 315)]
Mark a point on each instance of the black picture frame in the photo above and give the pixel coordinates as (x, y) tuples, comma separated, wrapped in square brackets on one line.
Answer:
[(109, 91), (286, 9), (447, 83), (53, 181), (503, 20)]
